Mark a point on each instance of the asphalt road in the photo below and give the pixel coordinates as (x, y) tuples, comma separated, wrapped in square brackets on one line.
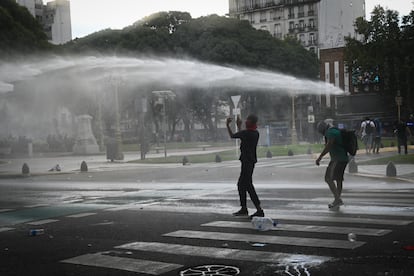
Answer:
[(169, 219)]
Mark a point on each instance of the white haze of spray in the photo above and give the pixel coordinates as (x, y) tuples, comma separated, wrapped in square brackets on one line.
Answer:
[(167, 72)]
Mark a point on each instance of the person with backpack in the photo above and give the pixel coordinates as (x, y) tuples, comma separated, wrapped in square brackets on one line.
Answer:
[(335, 146), (376, 144), (367, 134)]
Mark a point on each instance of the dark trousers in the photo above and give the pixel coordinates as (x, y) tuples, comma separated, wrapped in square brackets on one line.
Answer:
[(245, 185), (402, 142)]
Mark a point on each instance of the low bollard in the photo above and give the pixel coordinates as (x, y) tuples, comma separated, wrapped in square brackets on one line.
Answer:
[(352, 166), (218, 158), (391, 169), (25, 169), (269, 154), (83, 167), (290, 152), (185, 160)]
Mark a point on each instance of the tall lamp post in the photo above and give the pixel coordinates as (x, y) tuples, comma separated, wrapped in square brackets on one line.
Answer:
[(164, 95), (294, 134), (398, 101), (236, 111)]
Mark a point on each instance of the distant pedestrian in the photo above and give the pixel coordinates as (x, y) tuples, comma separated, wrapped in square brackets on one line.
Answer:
[(334, 174), (367, 133), (249, 138), (402, 131), (376, 144)]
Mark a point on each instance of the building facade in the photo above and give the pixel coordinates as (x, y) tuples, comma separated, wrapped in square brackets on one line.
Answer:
[(317, 24), (54, 17), (321, 26)]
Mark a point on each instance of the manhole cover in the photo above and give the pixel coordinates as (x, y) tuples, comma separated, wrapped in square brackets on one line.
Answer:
[(223, 270)]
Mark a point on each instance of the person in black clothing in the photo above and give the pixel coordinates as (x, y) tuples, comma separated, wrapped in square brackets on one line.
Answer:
[(402, 131), (249, 138)]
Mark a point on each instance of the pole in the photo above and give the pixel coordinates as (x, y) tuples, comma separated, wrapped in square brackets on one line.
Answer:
[(165, 129), (236, 112), (294, 135), (118, 136)]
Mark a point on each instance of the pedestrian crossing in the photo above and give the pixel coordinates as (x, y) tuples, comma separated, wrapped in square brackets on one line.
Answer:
[(300, 225)]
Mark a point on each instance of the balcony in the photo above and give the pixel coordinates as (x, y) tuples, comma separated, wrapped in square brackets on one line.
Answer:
[(311, 13), (291, 16), (301, 14), (312, 42)]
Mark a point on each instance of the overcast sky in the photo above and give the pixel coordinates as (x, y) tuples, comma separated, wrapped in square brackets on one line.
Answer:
[(89, 16)]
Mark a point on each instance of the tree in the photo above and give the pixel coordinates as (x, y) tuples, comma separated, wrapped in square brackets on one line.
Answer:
[(19, 31), (384, 55)]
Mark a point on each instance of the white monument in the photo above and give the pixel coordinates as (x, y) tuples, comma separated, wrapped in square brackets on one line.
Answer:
[(85, 141)]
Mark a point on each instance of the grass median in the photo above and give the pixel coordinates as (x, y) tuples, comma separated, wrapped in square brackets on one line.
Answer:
[(227, 155)]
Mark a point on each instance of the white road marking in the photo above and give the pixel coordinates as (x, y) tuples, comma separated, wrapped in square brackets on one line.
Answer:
[(81, 215), (277, 214), (126, 264), (304, 228), (342, 244), (41, 222), (225, 253), (4, 229), (5, 210)]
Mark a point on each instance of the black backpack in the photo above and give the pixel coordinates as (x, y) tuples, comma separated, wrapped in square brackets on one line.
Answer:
[(349, 140), (368, 127)]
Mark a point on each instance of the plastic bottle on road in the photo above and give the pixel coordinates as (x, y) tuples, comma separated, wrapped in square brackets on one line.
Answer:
[(36, 232), (263, 223)]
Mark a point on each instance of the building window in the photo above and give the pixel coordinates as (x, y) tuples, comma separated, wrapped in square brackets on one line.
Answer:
[(278, 31), (312, 39), (302, 39), (301, 25), (263, 16), (291, 26), (291, 13), (301, 12), (311, 10), (311, 24)]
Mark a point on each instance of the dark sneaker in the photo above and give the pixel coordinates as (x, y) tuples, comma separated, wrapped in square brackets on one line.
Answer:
[(257, 214), (336, 203), (241, 212)]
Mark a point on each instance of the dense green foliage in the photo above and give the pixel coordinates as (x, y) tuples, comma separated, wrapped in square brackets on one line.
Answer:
[(19, 30), (386, 47), (213, 39)]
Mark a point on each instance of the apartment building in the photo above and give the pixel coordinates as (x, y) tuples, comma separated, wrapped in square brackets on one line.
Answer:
[(320, 25), (54, 17)]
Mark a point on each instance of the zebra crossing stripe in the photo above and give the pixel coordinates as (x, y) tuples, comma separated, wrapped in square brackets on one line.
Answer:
[(304, 228), (4, 229), (370, 200), (266, 239), (41, 222), (356, 210), (81, 215), (127, 264), (280, 214), (226, 253)]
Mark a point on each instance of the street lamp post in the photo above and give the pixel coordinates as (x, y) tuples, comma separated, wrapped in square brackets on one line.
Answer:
[(116, 81), (236, 111), (294, 134), (398, 101)]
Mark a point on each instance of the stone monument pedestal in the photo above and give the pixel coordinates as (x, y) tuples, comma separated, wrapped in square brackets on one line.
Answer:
[(85, 140)]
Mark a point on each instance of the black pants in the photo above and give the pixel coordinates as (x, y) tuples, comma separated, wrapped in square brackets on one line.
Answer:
[(245, 185), (402, 142)]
